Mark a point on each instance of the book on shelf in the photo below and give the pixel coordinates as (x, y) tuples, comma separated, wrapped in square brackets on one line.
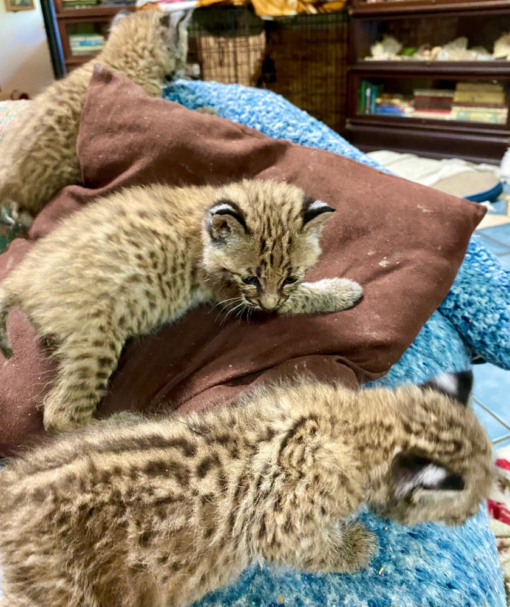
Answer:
[(479, 93), (85, 52), (475, 104), (86, 38), (86, 47), (367, 95), (434, 99), (79, 3), (389, 110), (84, 44), (431, 114), (481, 87), (478, 98), (480, 114), (434, 93)]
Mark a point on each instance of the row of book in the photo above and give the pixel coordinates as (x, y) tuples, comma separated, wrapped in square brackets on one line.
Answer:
[(85, 44), (89, 3), (469, 102), (79, 3)]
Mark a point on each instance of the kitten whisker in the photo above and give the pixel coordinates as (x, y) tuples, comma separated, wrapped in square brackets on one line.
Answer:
[(232, 310), (228, 306)]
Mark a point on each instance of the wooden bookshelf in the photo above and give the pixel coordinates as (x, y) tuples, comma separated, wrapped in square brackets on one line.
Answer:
[(68, 19), (409, 22), (362, 8)]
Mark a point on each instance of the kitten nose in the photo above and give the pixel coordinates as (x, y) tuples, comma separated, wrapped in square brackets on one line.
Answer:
[(269, 302)]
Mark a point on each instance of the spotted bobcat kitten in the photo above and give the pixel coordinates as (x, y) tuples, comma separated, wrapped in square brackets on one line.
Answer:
[(144, 256), (38, 155), (159, 513)]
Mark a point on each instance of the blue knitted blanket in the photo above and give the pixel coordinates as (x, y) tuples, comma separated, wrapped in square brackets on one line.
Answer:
[(427, 565)]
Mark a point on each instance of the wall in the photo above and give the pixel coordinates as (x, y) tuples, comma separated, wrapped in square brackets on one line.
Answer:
[(25, 62)]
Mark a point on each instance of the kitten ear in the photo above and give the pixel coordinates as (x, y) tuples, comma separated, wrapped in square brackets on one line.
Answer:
[(165, 20), (224, 220), (458, 386), (315, 214), (412, 471), (180, 19), (118, 18)]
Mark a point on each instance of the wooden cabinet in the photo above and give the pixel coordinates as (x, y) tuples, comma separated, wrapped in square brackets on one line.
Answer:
[(361, 7), (440, 104), (83, 22)]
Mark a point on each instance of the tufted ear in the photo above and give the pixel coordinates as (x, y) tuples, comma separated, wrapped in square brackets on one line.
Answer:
[(412, 471), (315, 214), (180, 19), (165, 20), (119, 17), (458, 386), (225, 220)]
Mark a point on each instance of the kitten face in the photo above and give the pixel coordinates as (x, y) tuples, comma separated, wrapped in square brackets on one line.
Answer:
[(442, 479), (172, 28), (260, 241), (175, 36)]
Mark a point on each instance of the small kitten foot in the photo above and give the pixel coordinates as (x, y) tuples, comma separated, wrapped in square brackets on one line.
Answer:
[(342, 293), (58, 420)]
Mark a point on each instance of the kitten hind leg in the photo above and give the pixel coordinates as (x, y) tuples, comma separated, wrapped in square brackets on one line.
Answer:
[(328, 295), (85, 367), (351, 547), (337, 549)]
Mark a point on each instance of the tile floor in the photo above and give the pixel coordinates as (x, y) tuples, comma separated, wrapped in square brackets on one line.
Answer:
[(491, 399)]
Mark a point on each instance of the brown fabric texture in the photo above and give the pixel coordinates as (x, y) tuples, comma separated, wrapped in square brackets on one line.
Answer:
[(403, 242)]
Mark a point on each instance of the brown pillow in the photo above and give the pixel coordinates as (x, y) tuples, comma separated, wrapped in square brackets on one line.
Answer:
[(403, 242)]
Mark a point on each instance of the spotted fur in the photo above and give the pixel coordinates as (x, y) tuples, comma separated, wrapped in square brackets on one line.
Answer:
[(158, 513), (144, 256), (38, 155)]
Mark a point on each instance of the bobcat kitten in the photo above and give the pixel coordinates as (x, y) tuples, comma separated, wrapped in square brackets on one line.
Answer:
[(142, 257), (38, 156), (159, 513)]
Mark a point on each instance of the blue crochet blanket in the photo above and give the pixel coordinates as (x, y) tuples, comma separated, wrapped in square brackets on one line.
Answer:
[(427, 565)]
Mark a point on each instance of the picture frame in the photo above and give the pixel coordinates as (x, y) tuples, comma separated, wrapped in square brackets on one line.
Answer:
[(14, 6)]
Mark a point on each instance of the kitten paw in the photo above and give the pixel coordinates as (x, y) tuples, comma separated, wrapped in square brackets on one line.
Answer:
[(58, 421), (343, 293)]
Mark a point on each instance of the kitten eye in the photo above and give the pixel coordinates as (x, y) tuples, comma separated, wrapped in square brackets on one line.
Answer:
[(251, 280), (290, 280)]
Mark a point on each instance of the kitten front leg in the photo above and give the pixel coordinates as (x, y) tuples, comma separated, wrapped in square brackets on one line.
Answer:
[(85, 367), (327, 295)]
